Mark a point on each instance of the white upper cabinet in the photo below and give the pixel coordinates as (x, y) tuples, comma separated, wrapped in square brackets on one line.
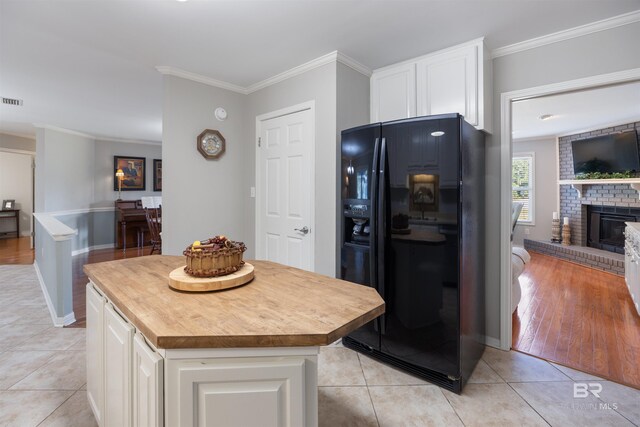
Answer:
[(448, 83), (453, 80), (393, 93)]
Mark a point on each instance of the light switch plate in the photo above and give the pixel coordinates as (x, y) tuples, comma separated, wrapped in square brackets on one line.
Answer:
[(253, 191)]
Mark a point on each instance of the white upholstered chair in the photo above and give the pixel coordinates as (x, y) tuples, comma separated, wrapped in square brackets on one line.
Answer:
[(519, 257)]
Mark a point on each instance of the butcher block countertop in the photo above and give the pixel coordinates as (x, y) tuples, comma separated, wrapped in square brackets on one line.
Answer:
[(281, 307)]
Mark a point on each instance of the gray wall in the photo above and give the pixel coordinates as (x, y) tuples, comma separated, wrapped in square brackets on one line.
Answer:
[(352, 110), (64, 171), (76, 173), (103, 194), (54, 262), (598, 53), (318, 84), (203, 197), (545, 188), (13, 142)]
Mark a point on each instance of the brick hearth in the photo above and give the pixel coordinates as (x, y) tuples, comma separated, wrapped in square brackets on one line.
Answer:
[(595, 258)]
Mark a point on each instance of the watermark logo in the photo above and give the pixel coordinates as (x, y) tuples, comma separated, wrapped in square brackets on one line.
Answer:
[(585, 390), (582, 390)]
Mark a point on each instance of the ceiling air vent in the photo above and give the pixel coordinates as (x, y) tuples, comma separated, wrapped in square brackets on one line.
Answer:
[(12, 101)]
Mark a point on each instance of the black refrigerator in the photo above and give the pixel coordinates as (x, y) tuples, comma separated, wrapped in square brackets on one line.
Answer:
[(412, 195)]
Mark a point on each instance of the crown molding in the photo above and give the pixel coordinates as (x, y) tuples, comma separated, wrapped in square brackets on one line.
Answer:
[(13, 150), (538, 138), (353, 64), (300, 69), (128, 141), (19, 135), (334, 56), (582, 30), (94, 137), (177, 72), (63, 130)]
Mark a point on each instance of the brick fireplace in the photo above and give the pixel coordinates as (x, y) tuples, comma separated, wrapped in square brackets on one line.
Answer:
[(615, 203), (616, 196)]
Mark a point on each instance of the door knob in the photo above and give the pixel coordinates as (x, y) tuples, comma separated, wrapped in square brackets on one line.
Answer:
[(303, 230)]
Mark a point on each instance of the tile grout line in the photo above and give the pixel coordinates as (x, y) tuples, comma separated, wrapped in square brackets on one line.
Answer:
[(451, 405), (375, 413), (56, 408), (615, 410), (529, 404)]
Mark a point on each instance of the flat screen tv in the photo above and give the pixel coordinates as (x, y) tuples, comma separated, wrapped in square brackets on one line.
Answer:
[(612, 153)]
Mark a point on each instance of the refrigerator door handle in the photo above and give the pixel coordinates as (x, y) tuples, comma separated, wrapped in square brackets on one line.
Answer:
[(373, 250), (381, 224)]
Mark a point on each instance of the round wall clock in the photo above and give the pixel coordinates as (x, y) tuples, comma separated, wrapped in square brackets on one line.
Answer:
[(210, 144)]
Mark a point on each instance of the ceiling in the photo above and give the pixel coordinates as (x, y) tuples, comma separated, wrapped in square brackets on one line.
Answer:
[(576, 112), (89, 66)]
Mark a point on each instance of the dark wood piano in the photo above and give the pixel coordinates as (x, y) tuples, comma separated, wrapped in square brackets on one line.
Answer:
[(131, 224)]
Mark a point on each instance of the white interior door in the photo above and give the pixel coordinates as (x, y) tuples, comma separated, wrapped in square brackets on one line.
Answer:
[(284, 229)]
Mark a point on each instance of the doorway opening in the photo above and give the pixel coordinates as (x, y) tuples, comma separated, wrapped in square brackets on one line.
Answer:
[(565, 307)]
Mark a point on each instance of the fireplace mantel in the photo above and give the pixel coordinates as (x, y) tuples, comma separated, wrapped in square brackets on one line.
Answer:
[(578, 183)]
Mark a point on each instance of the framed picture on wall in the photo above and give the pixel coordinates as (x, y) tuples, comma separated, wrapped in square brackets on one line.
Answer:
[(157, 174), (134, 173), (8, 204)]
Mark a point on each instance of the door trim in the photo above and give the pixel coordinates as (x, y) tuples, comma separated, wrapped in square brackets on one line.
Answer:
[(311, 106), (506, 99)]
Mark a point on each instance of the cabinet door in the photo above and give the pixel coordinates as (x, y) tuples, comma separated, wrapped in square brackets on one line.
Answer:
[(147, 385), (118, 338), (236, 393), (95, 353), (393, 93), (448, 83)]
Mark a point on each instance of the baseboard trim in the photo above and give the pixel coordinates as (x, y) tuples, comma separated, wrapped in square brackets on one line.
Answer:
[(92, 248), (58, 322), (492, 342)]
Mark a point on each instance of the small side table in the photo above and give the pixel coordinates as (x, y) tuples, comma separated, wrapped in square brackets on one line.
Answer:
[(11, 214)]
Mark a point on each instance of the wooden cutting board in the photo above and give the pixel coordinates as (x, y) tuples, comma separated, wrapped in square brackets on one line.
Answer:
[(180, 280)]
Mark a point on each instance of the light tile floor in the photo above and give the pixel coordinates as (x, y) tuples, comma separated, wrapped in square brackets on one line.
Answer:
[(42, 381)]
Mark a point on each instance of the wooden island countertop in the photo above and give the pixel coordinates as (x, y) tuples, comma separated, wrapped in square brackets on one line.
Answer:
[(281, 307)]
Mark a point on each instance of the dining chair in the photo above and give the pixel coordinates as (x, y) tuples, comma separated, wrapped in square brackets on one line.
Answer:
[(154, 222)]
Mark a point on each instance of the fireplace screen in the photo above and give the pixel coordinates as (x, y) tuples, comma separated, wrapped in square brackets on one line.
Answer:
[(612, 230)]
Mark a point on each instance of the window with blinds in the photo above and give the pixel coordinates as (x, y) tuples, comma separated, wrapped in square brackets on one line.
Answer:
[(522, 180)]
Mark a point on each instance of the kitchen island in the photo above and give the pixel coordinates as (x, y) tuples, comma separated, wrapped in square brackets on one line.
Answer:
[(240, 357)]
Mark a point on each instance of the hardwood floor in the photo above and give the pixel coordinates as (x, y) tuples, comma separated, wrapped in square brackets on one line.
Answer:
[(16, 251), (80, 279), (578, 317)]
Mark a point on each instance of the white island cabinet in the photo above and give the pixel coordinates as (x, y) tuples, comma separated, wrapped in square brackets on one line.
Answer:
[(632, 262), (95, 352), (242, 357)]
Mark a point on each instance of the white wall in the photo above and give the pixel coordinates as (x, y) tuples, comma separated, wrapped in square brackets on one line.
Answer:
[(597, 53), (545, 188), (16, 182), (203, 197), (319, 85)]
